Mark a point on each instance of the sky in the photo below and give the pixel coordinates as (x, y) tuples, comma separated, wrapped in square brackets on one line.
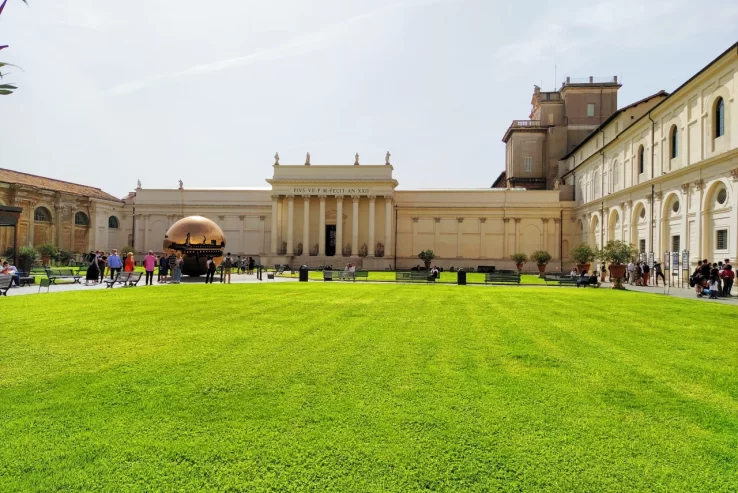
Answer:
[(207, 92)]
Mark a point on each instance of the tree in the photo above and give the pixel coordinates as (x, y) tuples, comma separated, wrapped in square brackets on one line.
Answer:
[(5, 88)]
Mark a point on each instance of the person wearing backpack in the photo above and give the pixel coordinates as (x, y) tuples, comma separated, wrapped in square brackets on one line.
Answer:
[(210, 274), (227, 267)]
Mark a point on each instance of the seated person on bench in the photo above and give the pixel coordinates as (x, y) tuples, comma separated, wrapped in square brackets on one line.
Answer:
[(585, 279), (10, 270)]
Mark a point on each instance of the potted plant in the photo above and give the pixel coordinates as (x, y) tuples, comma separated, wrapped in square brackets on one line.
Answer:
[(617, 253), (126, 250), (541, 258), (314, 250), (363, 250), (583, 255), (298, 249), (427, 257), (26, 257), (47, 251), (63, 258), (347, 250), (520, 259)]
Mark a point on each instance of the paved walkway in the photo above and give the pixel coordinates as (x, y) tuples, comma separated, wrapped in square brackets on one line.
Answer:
[(64, 287), (686, 292)]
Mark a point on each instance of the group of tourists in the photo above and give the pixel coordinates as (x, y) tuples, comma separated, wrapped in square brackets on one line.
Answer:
[(713, 280), (640, 272)]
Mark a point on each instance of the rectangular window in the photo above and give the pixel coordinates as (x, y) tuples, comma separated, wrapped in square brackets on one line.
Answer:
[(675, 243), (550, 118), (528, 164), (590, 109), (722, 239), (642, 246)]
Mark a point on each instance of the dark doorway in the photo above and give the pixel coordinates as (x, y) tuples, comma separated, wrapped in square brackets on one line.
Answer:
[(330, 240)]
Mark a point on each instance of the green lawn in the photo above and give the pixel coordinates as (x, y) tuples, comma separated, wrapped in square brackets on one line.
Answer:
[(367, 387), (445, 277)]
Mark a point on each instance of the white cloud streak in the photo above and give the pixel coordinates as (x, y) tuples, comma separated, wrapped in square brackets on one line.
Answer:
[(298, 46)]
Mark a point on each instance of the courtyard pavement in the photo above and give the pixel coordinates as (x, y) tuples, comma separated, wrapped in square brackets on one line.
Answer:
[(64, 287), (687, 293)]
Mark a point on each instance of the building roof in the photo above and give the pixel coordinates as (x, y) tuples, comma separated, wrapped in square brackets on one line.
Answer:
[(26, 179), (501, 181), (733, 48), (602, 125)]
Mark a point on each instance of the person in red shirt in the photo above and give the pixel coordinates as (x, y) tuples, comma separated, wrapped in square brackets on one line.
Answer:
[(728, 276), (129, 265)]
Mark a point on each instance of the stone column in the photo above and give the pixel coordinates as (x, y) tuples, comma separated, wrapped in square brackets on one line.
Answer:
[(243, 233), (649, 225), (459, 241), (59, 211), (415, 221), (275, 204), (306, 224), (437, 234), (93, 230), (684, 240), (290, 225), (702, 238), (387, 225), (31, 224), (658, 239), (372, 243), (71, 232), (321, 226), (482, 222), (262, 220), (355, 227), (505, 240), (557, 238), (545, 233), (339, 225), (146, 234), (517, 235)]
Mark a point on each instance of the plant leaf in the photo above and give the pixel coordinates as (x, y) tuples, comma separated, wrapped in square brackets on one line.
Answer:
[(4, 92), (8, 86)]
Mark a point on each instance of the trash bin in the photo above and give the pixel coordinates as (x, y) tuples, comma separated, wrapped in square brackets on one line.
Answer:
[(461, 279), (304, 273)]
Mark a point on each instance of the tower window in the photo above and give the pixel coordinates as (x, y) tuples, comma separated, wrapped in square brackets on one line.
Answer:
[(641, 156), (528, 164), (674, 139), (590, 109), (722, 239), (719, 118)]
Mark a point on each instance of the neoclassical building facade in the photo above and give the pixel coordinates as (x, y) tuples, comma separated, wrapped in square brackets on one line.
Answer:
[(666, 181), (661, 173)]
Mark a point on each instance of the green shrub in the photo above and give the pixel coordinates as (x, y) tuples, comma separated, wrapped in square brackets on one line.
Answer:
[(541, 257)]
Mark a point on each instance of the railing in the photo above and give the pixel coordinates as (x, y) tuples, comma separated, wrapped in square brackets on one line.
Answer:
[(526, 124), (591, 80)]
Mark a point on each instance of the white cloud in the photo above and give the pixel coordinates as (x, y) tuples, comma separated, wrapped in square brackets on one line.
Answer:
[(298, 46)]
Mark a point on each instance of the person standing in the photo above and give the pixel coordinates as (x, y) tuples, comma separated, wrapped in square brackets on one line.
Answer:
[(646, 273), (102, 262), (252, 262), (210, 270), (631, 273), (150, 262), (178, 263), (728, 277), (115, 264), (227, 267), (658, 272), (130, 264), (93, 271)]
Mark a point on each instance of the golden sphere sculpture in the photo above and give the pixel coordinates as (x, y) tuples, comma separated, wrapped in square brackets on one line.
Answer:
[(196, 238)]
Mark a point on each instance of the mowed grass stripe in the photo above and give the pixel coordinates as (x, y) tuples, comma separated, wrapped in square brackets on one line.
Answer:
[(349, 387)]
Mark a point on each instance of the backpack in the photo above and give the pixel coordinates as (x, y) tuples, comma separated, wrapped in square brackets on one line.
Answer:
[(228, 262)]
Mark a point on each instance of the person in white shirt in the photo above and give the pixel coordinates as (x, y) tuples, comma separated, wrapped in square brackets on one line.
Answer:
[(352, 271), (631, 272), (10, 270)]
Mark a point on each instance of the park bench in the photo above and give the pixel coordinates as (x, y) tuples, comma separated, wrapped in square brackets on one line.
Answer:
[(5, 283), (64, 274), (561, 280), (502, 278), (38, 271), (24, 279), (127, 279), (44, 283), (413, 276), (330, 275)]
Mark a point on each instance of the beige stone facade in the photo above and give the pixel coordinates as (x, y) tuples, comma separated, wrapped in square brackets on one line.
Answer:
[(661, 173)]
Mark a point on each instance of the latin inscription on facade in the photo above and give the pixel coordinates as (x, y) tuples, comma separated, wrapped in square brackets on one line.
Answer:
[(331, 191)]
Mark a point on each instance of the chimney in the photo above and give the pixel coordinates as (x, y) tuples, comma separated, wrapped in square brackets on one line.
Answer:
[(591, 79), (615, 79)]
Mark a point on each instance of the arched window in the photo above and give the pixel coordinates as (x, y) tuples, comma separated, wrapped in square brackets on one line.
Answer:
[(596, 185), (674, 139), (641, 159), (719, 118), (615, 176), (113, 222), (42, 215), (80, 219)]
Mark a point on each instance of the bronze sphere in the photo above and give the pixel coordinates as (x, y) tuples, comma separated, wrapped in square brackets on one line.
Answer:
[(196, 238)]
